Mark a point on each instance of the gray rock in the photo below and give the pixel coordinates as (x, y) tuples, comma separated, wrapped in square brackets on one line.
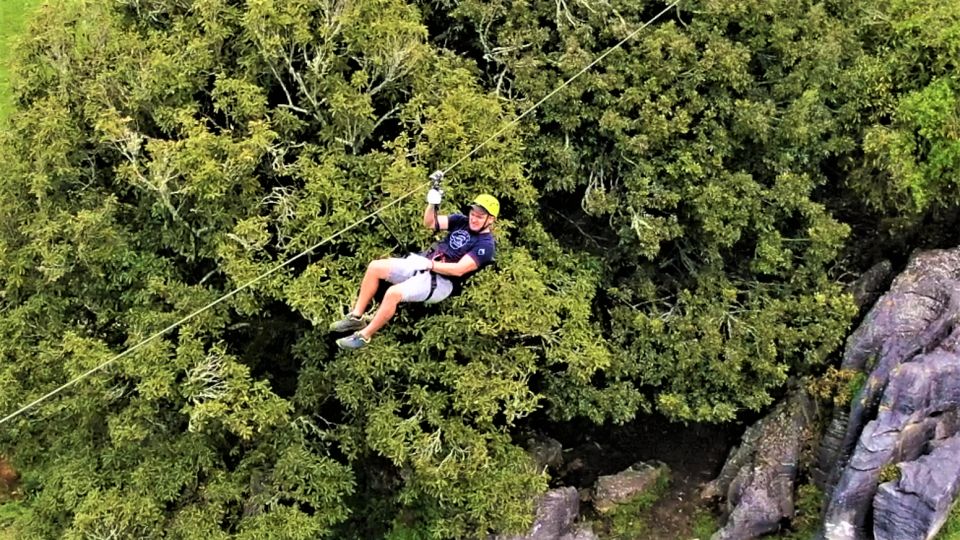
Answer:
[(830, 450), (892, 331), (758, 479), (546, 452), (862, 346), (918, 410), (916, 506), (557, 509), (908, 343), (868, 287), (610, 491), (583, 532)]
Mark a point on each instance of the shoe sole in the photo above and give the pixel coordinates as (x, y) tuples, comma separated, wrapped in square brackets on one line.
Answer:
[(347, 326)]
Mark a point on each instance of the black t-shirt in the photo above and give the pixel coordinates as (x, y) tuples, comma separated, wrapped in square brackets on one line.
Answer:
[(462, 241)]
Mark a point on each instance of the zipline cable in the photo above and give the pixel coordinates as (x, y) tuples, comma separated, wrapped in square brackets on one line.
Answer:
[(566, 83), (230, 294), (309, 250)]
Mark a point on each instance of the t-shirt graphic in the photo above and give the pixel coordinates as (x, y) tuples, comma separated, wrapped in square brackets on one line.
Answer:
[(458, 239), (462, 241)]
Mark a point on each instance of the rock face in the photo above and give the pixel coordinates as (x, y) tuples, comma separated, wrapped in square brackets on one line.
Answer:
[(865, 290), (624, 486), (581, 533), (757, 480), (909, 343), (871, 285), (546, 452), (902, 509), (557, 509)]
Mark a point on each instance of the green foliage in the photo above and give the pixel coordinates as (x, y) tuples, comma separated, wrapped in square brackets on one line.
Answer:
[(672, 229), (921, 156), (889, 473), (809, 506), (911, 144), (694, 155), (13, 14), (170, 155), (704, 524), (837, 386)]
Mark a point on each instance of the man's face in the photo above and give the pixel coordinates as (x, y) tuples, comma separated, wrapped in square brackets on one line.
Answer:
[(479, 219)]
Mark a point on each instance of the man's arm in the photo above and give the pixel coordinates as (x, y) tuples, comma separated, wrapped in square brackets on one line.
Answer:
[(464, 266), (428, 216)]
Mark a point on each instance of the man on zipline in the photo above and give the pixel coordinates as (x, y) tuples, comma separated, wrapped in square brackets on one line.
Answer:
[(430, 277)]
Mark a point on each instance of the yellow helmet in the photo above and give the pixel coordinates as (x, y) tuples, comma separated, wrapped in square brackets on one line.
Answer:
[(488, 202)]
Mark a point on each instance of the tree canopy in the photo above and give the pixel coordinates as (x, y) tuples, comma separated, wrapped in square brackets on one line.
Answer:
[(676, 227)]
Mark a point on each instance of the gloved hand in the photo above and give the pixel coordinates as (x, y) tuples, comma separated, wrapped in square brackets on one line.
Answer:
[(434, 196), (419, 262)]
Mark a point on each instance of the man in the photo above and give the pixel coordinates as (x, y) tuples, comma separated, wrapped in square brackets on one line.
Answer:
[(428, 278)]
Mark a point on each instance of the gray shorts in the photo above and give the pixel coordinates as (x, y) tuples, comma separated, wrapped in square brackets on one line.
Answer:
[(414, 284)]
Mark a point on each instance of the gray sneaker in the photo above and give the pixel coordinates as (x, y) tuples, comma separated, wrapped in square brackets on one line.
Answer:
[(353, 341), (348, 324)]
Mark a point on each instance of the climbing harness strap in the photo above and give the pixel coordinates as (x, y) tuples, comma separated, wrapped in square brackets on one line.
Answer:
[(433, 286), (435, 184)]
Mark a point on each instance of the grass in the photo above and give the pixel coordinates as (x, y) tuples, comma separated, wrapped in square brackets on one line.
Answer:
[(9, 510), (13, 17), (704, 524), (951, 529), (628, 521)]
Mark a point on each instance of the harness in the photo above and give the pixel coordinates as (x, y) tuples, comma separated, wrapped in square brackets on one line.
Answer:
[(433, 286), (435, 254), (431, 253)]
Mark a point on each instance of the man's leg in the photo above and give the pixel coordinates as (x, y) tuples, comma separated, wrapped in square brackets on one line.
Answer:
[(388, 307), (418, 288), (377, 270)]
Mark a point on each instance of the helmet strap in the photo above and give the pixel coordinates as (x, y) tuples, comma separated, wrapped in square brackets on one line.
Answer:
[(486, 223)]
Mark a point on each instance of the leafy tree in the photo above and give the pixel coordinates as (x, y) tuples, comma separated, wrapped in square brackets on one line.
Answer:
[(909, 171), (673, 227), (694, 154), (168, 152)]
